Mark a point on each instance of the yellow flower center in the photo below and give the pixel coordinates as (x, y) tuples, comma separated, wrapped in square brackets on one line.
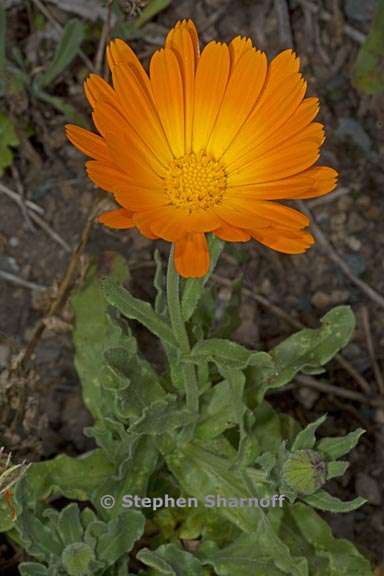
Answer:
[(195, 181)]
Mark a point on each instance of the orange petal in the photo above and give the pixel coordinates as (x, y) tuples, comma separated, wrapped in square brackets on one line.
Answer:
[(89, 143), (237, 47), (271, 162), (282, 66), (308, 184), (210, 83), (286, 241), (119, 52), (271, 112), (242, 91), (127, 149), (325, 180), (172, 223), (97, 89), (139, 110), (127, 192), (168, 94), (183, 44), (231, 233), (118, 219), (286, 160), (259, 215), (192, 256)]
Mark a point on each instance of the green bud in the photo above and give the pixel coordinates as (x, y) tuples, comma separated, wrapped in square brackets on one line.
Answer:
[(304, 471)]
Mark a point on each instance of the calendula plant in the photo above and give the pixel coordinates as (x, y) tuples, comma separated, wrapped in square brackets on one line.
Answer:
[(196, 153)]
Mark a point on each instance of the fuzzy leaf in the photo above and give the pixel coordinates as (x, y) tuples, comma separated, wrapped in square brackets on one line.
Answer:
[(311, 348), (258, 553), (227, 354), (162, 417), (76, 478), (136, 383), (336, 469), (324, 501), (306, 532), (306, 438), (121, 534), (170, 560), (69, 526), (67, 49), (77, 559), (139, 310), (333, 448), (94, 333), (33, 569)]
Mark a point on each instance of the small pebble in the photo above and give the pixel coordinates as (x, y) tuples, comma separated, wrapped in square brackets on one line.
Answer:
[(321, 300), (353, 243)]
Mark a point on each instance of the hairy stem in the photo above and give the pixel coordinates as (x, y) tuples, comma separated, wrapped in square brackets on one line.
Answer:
[(181, 335)]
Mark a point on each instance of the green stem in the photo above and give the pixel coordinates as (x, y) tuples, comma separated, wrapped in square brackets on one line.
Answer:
[(180, 333)]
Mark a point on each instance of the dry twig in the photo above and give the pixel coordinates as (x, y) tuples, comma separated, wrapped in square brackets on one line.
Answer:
[(348, 30), (62, 294), (33, 212), (13, 279), (310, 382), (104, 39), (371, 349), (364, 287), (283, 20)]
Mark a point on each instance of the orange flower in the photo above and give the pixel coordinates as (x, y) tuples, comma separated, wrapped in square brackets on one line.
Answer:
[(205, 143)]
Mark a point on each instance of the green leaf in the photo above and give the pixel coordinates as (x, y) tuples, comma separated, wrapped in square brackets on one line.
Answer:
[(201, 472), (229, 316), (369, 69), (218, 410), (305, 531), (254, 554), (139, 310), (67, 49), (306, 438), (77, 559), (75, 478), (162, 417), (8, 138), (94, 333), (194, 287), (336, 469), (227, 354), (33, 569), (69, 525), (324, 501), (333, 448), (134, 471), (150, 11), (311, 348), (121, 534), (136, 383), (170, 560), (37, 537)]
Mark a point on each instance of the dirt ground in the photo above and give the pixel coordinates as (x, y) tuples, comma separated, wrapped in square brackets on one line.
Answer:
[(49, 172)]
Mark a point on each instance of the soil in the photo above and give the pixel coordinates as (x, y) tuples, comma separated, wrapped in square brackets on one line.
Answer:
[(48, 171)]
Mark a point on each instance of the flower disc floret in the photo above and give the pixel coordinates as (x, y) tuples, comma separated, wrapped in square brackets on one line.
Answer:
[(195, 181)]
